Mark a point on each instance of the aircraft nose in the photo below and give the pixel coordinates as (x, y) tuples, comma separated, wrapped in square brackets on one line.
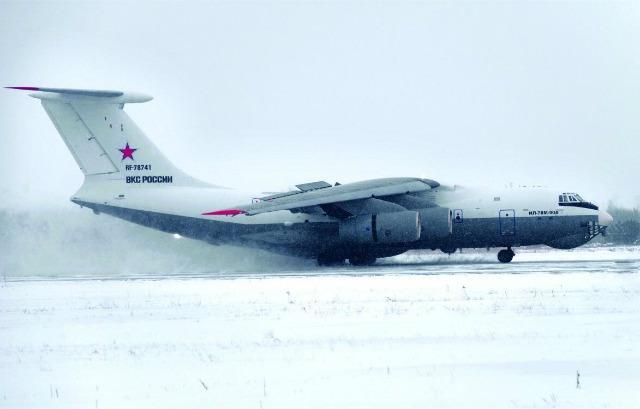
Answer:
[(604, 218)]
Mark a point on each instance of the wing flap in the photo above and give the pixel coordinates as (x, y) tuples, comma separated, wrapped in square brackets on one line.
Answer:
[(306, 187)]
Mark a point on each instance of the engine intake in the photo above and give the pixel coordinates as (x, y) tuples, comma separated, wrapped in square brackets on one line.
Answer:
[(396, 227)]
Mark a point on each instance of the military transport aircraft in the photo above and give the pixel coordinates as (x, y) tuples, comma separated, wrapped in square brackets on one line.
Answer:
[(126, 176)]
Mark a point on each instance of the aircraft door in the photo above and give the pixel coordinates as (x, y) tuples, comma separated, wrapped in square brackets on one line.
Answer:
[(507, 222)]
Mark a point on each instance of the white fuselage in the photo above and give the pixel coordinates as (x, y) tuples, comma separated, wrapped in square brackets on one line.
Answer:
[(480, 218)]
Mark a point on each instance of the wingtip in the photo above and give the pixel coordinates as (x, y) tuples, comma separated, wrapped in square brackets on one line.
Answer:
[(24, 88)]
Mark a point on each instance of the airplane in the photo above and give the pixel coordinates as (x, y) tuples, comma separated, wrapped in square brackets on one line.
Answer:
[(126, 176)]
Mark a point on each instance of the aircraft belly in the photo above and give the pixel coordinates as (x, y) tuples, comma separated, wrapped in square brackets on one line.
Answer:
[(298, 234), (486, 232)]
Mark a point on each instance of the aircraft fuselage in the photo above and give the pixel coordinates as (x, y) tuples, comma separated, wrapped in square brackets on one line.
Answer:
[(479, 219)]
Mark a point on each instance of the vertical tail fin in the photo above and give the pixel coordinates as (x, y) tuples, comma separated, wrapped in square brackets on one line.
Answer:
[(105, 142)]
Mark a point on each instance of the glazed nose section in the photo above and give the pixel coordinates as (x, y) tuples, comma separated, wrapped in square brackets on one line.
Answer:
[(604, 218)]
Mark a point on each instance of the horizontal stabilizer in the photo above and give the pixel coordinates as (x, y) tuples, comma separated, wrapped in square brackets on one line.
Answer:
[(88, 95)]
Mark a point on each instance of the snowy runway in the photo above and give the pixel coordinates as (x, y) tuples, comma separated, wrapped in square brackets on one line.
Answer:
[(443, 336)]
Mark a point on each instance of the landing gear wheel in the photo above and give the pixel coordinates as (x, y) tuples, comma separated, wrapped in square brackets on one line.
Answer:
[(506, 255), (362, 261), (448, 250), (329, 260)]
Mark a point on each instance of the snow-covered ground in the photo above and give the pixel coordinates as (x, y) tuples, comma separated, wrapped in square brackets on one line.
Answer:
[(414, 332)]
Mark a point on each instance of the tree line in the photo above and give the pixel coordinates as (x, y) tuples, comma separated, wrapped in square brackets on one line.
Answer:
[(625, 228)]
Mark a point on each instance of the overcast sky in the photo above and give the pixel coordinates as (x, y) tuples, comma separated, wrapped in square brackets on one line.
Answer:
[(265, 95)]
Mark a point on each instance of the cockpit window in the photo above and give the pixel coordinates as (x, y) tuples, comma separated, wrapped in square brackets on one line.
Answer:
[(570, 197), (574, 200)]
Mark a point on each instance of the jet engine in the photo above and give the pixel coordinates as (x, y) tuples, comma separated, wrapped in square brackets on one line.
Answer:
[(396, 227), (435, 223)]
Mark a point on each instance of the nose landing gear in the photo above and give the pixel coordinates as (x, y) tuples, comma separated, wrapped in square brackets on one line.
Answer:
[(506, 255)]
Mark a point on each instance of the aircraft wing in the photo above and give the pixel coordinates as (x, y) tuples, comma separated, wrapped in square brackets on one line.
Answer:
[(390, 194)]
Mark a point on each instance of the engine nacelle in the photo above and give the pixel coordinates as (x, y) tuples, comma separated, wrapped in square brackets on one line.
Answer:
[(396, 227), (436, 223)]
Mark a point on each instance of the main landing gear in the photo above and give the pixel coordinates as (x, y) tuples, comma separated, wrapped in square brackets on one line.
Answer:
[(327, 260), (362, 260), (506, 255)]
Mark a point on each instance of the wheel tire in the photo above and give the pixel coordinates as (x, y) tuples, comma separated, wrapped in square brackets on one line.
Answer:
[(505, 256), (362, 261), (448, 250)]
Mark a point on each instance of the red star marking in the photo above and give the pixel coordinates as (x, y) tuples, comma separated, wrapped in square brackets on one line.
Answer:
[(127, 152)]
